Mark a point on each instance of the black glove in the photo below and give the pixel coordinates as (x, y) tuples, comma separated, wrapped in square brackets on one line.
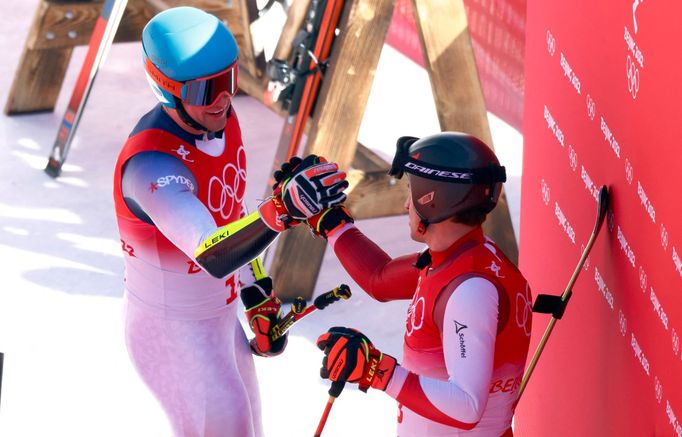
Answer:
[(263, 311), (329, 221)]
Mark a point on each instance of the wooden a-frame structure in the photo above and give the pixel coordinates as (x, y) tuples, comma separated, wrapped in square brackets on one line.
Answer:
[(449, 59)]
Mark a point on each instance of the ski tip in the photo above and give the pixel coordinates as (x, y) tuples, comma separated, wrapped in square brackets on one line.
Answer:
[(53, 168)]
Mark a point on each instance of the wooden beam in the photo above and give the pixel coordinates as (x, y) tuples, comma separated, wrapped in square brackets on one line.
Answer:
[(368, 187), (450, 62), (365, 159), (30, 92), (295, 18), (246, 52), (336, 123)]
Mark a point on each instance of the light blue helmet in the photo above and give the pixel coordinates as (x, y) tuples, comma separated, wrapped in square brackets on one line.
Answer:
[(186, 43)]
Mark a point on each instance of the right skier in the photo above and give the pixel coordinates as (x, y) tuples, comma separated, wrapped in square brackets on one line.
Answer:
[(469, 323)]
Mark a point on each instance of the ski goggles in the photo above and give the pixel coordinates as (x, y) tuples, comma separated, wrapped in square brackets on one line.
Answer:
[(197, 92), (404, 163)]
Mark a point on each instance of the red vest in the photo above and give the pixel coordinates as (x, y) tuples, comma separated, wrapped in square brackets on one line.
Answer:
[(472, 255), (152, 261)]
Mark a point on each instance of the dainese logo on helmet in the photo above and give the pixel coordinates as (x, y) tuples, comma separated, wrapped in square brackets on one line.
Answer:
[(440, 173)]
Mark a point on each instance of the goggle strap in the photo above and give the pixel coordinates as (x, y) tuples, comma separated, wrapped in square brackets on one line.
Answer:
[(172, 86), (486, 175)]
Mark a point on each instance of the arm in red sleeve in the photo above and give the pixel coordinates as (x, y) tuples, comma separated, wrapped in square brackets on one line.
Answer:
[(378, 274)]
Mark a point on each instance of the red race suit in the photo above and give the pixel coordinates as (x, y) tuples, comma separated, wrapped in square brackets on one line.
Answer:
[(466, 336)]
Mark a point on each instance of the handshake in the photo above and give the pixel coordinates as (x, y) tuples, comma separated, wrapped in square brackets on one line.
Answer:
[(310, 190)]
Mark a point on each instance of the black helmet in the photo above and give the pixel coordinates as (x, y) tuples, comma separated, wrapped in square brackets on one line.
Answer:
[(450, 173)]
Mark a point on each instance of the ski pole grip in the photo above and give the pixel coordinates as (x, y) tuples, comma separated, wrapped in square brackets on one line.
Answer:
[(325, 299), (342, 291), (336, 388)]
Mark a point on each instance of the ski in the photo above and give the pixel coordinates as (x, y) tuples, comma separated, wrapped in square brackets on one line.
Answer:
[(556, 305), (100, 42), (298, 81)]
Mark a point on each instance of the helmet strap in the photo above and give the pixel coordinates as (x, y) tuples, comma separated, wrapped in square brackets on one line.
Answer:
[(421, 228), (185, 117), (189, 121)]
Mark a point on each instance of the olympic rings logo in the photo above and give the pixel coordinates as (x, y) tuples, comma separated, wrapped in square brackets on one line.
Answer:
[(591, 107), (629, 176), (415, 316), (622, 322), (524, 310), (572, 158), (545, 192), (225, 194), (642, 279), (664, 237), (633, 77), (551, 43)]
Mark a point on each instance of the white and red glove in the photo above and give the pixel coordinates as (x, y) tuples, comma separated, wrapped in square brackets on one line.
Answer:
[(303, 188), (349, 356)]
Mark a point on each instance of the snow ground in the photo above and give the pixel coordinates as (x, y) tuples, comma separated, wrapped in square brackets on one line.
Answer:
[(66, 370)]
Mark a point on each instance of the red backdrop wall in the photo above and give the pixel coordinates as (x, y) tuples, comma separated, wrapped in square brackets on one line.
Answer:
[(603, 90)]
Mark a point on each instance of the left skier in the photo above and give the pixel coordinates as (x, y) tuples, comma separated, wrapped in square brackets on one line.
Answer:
[(179, 185)]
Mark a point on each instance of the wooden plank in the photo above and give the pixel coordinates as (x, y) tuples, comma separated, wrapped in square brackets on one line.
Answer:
[(70, 24), (346, 88), (30, 92), (252, 86), (366, 187), (450, 62), (336, 123), (295, 18), (366, 160), (246, 53)]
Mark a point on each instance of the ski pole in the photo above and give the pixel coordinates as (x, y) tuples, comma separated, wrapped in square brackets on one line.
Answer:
[(299, 310), (334, 392), (2, 358), (559, 304)]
